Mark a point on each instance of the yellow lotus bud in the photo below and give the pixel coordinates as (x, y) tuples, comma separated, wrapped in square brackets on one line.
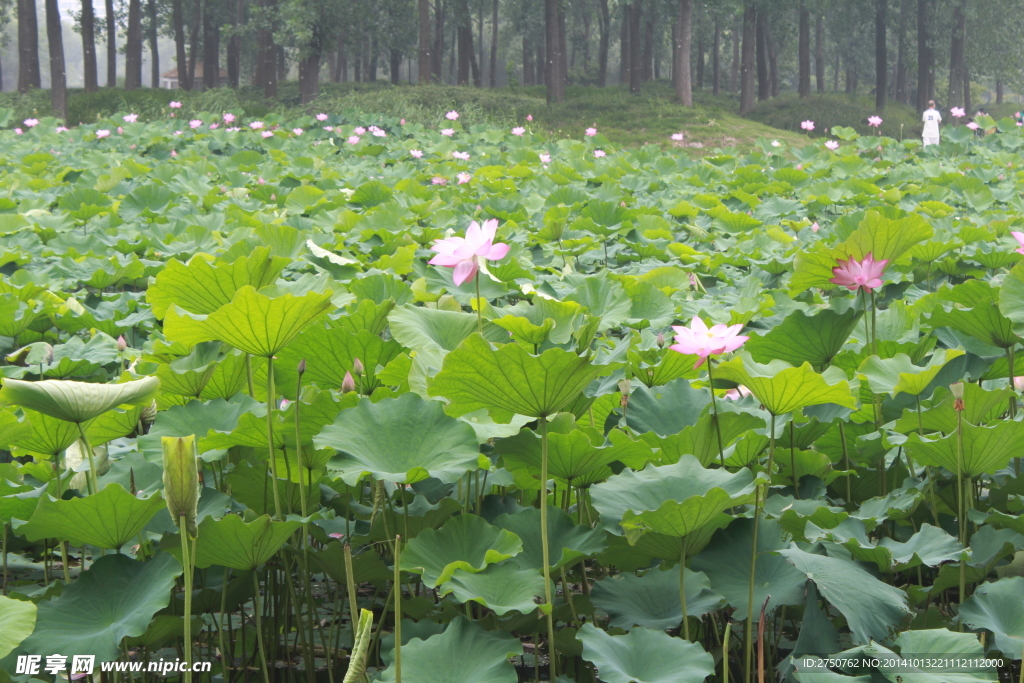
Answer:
[(181, 481)]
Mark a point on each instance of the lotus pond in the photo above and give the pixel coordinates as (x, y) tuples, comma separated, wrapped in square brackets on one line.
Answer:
[(247, 426)]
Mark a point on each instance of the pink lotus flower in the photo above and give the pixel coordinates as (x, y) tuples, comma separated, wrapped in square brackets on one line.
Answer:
[(18, 131), (194, 123), (448, 132), (590, 132), (321, 117), (329, 129), (529, 117), (359, 130), (438, 180), (518, 130), (678, 137), (401, 122), (599, 153), (807, 125), (353, 139), (875, 121), (377, 132), (1018, 383), (214, 126), (1020, 239), (815, 227), (256, 125), (174, 105), (832, 144), (461, 155), (102, 133), (464, 178), (452, 115), (416, 154), (699, 340), (267, 134), (60, 129), (229, 118), (120, 130), (973, 126), (31, 123), (173, 153), (957, 112), (177, 132), (545, 158), (297, 131), (467, 254), (737, 393), (865, 274), (130, 118)]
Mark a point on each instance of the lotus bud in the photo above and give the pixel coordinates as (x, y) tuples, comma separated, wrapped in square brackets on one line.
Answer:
[(1018, 383), (181, 481), (958, 396), (121, 344), (357, 367), (302, 366), (48, 355), (624, 388), (661, 340), (348, 384)]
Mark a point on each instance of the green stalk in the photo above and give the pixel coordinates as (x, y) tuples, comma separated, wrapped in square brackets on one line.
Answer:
[(248, 375), (1013, 414), (91, 479), (186, 563), (846, 461), (792, 459), (874, 324), (258, 608), (64, 561), (725, 652), (758, 503), (270, 436), (961, 512), (298, 449), (548, 600), (928, 473), (714, 416), (479, 307), (350, 585), (682, 586), (225, 657), (398, 609)]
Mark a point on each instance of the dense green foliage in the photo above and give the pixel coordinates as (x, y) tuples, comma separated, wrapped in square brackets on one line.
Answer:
[(514, 476)]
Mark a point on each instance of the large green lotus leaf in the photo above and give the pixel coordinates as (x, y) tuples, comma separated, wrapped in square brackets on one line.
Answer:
[(318, 409), (899, 374), (818, 636), (509, 380), (1011, 297), (571, 457), (1005, 521), (367, 566), (975, 312), (726, 561), (701, 439), (803, 338), (981, 407), (252, 322), (782, 388), (40, 434), (665, 409), (330, 353), (465, 542), (532, 318), (436, 330), (931, 546), (107, 519), (202, 287), (645, 656), (602, 297), (567, 542), (76, 401), (986, 450), (18, 501), (404, 439), (652, 600), (947, 644), (874, 610), (671, 365), (463, 653), (674, 500), (502, 588), (17, 621), (998, 607), (116, 597), (421, 516), (230, 542)]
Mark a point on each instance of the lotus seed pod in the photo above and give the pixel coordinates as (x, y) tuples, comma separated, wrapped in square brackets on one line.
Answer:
[(958, 396), (181, 481)]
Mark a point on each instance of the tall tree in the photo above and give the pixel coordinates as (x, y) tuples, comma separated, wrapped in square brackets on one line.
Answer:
[(605, 29), (749, 57), (804, 52), (211, 45), (924, 56), (635, 48), (819, 53), (734, 67), (154, 49), (956, 57), (181, 57), (624, 50), (58, 78), (266, 57), (236, 9), (716, 70), (28, 47), (554, 75), (901, 91), (133, 47), (424, 52), (881, 54), (89, 70), (764, 86), (681, 55), (111, 21), (493, 64)]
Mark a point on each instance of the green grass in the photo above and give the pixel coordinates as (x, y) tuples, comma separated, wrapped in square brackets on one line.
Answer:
[(835, 109)]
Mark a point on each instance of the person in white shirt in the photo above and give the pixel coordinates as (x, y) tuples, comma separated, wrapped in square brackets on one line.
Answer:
[(931, 118)]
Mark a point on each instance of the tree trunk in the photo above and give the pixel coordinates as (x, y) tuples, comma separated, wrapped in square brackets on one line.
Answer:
[(602, 46), (266, 58), (527, 62), (133, 47), (193, 44), (493, 77), (764, 87), (181, 58), (646, 71), (747, 63), (1, 76), (340, 62), (473, 63), (211, 47), (635, 48), (553, 77), (234, 54), (881, 54), (773, 62), (423, 53), (111, 44), (900, 89), (154, 50), (700, 49), (804, 53), (624, 52), (716, 68), (309, 76), (563, 52), (89, 47), (968, 103), (681, 54), (734, 77), (540, 65), (819, 53), (924, 92), (28, 47), (437, 58), (999, 92), (371, 61), (58, 78), (956, 57), (464, 43)]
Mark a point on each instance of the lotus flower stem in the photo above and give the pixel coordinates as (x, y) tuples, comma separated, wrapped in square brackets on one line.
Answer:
[(1013, 409), (258, 612), (714, 416), (682, 586), (270, 436), (758, 504), (92, 481), (248, 375), (928, 473), (548, 600), (398, 609), (64, 561), (298, 453), (3, 551), (186, 563), (846, 461), (725, 651), (479, 307), (225, 657), (792, 459)]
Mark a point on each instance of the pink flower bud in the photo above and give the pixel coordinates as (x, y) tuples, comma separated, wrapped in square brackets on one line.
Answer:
[(348, 384), (121, 344), (357, 367)]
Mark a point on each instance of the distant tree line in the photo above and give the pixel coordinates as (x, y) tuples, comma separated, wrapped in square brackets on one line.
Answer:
[(900, 50)]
